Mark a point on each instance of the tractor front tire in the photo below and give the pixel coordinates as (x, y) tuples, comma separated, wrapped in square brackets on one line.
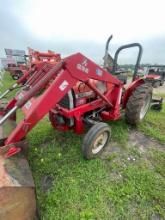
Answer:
[(138, 104), (96, 139), (15, 77)]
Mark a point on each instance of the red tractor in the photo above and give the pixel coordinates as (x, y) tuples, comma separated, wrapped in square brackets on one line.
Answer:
[(36, 57), (16, 71), (32, 59), (39, 63), (76, 92), (156, 75)]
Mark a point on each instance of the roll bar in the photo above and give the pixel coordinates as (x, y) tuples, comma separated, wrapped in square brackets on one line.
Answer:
[(138, 57)]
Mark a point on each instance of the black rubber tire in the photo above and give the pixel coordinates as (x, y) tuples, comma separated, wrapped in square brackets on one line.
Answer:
[(90, 138), (162, 82), (156, 84), (136, 102)]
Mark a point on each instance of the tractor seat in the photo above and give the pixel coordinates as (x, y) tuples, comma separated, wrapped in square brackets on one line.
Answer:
[(118, 75), (122, 78)]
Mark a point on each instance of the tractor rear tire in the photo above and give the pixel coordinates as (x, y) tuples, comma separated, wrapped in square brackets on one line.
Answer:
[(138, 104), (156, 84), (96, 139), (162, 82)]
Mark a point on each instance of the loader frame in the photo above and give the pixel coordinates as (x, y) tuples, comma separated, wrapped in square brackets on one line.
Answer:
[(56, 83)]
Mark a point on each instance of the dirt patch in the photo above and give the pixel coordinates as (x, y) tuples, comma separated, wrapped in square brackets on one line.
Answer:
[(46, 183), (111, 148), (159, 92), (160, 89), (143, 142), (137, 140)]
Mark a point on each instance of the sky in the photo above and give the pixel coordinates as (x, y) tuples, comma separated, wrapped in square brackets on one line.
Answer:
[(70, 26)]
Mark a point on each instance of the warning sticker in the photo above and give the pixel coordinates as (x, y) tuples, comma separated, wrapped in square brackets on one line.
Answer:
[(28, 105), (99, 72), (63, 85)]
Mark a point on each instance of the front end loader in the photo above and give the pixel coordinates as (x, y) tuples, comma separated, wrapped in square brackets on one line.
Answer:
[(39, 63), (74, 93)]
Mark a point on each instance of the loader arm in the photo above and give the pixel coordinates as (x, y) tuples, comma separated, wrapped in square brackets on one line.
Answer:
[(57, 82)]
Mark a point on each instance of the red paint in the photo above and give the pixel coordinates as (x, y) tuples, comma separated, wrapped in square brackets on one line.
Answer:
[(50, 83), (130, 89), (153, 76)]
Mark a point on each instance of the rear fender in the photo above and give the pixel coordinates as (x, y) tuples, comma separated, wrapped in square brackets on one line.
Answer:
[(129, 90)]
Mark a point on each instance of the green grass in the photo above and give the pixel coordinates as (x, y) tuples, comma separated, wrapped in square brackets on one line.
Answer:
[(158, 95), (154, 124), (115, 188), (120, 131), (6, 83), (128, 184)]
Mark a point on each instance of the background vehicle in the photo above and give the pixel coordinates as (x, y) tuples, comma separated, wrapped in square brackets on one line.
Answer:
[(156, 74)]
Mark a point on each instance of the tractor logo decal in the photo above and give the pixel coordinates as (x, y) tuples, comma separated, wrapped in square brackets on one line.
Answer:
[(99, 72), (85, 62), (63, 85), (83, 66)]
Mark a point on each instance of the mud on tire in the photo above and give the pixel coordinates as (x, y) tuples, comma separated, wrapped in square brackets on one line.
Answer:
[(138, 104)]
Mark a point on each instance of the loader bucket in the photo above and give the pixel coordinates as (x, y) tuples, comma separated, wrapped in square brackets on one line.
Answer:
[(17, 189)]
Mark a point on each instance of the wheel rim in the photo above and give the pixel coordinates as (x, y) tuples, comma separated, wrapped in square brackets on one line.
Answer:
[(15, 77), (100, 142), (145, 107)]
